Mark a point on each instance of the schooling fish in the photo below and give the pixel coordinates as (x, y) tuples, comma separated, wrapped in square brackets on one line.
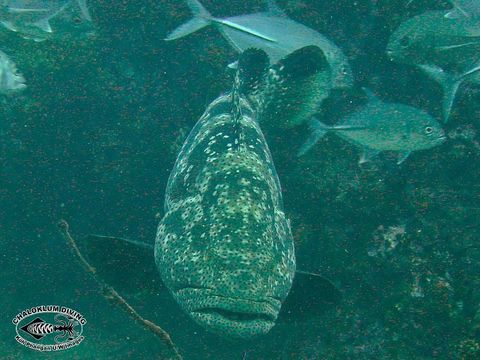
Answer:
[(10, 79), (272, 32), (31, 18), (437, 43), (381, 126)]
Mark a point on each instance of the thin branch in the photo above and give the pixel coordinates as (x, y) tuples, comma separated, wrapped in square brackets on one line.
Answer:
[(112, 295)]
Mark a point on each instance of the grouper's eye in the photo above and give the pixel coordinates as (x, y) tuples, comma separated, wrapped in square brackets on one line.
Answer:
[(428, 130)]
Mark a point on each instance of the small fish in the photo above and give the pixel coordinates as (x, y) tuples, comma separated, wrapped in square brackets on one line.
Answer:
[(271, 31), (381, 126), (10, 79), (31, 18), (433, 40)]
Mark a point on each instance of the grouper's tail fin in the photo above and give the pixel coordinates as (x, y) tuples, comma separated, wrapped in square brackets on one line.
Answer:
[(201, 19), (295, 88)]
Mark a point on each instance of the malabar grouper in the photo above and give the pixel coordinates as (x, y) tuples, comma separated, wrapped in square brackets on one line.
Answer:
[(224, 247)]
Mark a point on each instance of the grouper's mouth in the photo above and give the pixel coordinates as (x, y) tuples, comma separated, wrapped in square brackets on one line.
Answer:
[(234, 317)]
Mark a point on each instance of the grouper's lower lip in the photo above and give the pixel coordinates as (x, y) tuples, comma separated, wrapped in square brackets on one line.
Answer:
[(229, 316)]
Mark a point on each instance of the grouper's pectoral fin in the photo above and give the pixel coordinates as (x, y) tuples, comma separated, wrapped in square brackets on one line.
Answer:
[(311, 295), (126, 265)]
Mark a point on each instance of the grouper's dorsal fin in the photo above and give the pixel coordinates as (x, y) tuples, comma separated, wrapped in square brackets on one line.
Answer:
[(251, 68), (295, 87), (126, 265)]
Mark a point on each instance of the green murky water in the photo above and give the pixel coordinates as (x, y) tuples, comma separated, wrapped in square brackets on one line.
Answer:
[(94, 137)]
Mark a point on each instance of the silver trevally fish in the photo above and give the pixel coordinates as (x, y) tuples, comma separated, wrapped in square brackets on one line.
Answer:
[(10, 79), (272, 32), (381, 126), (439, 44), (31, 18)]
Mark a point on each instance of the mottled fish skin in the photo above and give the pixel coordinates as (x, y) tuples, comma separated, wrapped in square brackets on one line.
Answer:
[(224, 247), (31, 18), (294, 88), (10, 79)]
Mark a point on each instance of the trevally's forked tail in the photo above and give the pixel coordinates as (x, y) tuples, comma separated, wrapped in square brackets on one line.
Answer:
[(201, 19), (319, 130), (450, 84)]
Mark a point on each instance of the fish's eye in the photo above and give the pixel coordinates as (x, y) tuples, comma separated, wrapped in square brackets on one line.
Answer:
[(405, 41), (428, 130), (77, 20)]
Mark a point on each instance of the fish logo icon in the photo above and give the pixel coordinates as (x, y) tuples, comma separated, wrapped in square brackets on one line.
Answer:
[(38, 328), (49, 328)]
